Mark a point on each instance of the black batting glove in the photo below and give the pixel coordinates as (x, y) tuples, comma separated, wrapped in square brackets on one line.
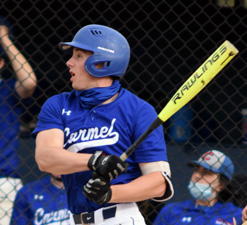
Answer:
[(107, 166), (98, 189)]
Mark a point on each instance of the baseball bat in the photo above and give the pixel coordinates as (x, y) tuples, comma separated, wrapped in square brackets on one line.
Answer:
[(190, 88)]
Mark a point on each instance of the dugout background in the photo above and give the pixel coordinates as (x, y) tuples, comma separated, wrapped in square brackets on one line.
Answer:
[(169, 41)]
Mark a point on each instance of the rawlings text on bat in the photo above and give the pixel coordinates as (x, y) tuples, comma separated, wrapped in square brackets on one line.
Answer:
[(190, 88)]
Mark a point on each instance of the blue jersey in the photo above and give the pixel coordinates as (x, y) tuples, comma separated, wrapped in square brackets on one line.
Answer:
[(183, 213), (40, 202), (111, 128), (10, 110)]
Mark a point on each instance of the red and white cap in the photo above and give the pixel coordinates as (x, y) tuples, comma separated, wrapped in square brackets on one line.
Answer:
[(216, 162)]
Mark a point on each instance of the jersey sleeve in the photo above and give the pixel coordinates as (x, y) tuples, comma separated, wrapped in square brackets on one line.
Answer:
[(153, 148), (50, 115)]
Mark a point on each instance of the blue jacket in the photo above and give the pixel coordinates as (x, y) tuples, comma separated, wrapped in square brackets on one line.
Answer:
[(187, 212)]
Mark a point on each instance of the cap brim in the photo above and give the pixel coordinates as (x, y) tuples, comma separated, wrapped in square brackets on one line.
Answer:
[(67, 46), (204, 165)]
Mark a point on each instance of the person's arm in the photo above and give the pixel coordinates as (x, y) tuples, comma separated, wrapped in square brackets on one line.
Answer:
[(244, 214), (152, 185), (52, 158), (26, 79)]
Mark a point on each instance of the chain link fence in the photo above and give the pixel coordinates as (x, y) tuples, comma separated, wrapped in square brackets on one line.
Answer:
[(169, 41)]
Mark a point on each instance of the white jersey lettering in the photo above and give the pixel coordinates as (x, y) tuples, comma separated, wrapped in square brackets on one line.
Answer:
[(55, 217), (91, 137)]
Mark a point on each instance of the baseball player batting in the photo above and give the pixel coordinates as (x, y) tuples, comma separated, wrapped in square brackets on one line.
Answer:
[(82, 134)]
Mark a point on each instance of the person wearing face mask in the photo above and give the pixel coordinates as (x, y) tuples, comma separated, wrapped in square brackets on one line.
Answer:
[(212, 172), (42, 201)]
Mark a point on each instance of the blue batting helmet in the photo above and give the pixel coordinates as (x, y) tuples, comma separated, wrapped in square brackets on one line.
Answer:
[(108, 47)]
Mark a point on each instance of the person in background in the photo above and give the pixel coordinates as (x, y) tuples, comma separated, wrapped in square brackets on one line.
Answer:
[(244, 215), (240, 189), (82, 134), (13, 89), (212, 173), (42, 201)]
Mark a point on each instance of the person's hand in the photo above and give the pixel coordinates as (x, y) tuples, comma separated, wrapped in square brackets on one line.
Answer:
[(107, 166), (98, 189), (244, 214), (4, 32)]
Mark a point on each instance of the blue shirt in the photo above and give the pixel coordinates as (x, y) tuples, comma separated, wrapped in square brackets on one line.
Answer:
[(183, 213), (111, 128), (40, 202), (10, 110)]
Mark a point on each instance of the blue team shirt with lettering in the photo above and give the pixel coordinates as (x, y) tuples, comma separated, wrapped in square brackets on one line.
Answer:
[(111, 128), (188, 212), (40, 202)]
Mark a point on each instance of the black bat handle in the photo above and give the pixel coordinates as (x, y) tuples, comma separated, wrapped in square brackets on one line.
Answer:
[(157, 122)]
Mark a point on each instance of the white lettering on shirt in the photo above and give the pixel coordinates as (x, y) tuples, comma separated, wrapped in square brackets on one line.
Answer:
[(54, 217), (91, 137)]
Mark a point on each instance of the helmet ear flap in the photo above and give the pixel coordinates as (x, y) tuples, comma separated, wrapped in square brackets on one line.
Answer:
[(102, 65), (97, 68)]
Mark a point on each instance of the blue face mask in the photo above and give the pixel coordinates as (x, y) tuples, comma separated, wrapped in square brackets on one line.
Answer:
[(201, 191)]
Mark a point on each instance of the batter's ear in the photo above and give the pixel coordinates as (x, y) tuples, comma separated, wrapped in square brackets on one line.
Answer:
[(99, 65)]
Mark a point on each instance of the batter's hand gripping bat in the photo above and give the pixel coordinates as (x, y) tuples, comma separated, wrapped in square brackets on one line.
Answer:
[(190, 88)]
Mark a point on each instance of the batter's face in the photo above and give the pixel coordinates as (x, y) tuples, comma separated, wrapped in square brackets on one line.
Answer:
[(80, 78)]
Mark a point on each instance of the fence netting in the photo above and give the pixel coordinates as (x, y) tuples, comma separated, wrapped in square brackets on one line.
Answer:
[(169, 40)]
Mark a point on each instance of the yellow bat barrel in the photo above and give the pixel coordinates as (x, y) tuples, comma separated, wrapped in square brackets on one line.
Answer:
[(199, 79)]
